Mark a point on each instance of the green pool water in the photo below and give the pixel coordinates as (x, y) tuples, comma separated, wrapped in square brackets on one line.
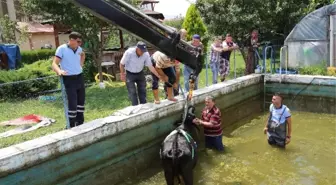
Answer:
[(309, 159)]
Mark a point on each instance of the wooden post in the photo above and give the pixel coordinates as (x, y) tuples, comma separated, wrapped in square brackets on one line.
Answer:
[(100, 69), (121, 38), (30, 41), (56, 35)]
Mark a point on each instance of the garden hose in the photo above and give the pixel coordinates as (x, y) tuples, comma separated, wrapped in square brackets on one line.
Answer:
[(108, 76)]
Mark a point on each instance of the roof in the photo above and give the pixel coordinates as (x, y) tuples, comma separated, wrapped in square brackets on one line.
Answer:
[(34, 27), (148, 1), (313, 26), (154, 14)]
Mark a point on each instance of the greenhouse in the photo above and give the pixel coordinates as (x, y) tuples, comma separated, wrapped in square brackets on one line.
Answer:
[(312, 41)]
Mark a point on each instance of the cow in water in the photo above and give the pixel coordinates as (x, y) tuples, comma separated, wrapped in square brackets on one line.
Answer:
[(178, 151)]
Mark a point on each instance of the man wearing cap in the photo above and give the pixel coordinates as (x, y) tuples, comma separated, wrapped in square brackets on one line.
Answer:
[(196, 42), (131, 70)]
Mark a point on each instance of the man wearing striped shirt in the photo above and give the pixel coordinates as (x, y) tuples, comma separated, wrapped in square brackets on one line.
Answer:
[(211, 121)]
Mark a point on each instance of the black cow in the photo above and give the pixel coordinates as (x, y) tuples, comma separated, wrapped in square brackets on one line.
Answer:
[(178, 152)]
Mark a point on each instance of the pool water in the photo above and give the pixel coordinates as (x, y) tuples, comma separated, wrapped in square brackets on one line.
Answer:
[(308, 160)]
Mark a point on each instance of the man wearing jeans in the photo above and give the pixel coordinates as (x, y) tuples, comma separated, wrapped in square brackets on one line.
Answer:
[(196, 42), (131, 70)]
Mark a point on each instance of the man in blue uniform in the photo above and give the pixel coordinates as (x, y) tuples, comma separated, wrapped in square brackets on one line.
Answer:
[(71, 58), (279, 124)]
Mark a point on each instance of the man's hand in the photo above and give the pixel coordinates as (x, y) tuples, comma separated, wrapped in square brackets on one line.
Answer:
[(164, 78), (288, 139), (265, 130), (123, 77), (61, 73), (197, 121)]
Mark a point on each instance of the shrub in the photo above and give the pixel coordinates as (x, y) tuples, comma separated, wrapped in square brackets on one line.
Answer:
[(29, 57), (23, 83), (313, 71), (89, 69)]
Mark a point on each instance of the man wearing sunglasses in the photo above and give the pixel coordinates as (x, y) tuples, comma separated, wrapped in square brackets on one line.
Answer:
[(68, 63)]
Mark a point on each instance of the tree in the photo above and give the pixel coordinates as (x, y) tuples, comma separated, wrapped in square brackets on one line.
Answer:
[(273, 19), (66, 13), (193, 22), (8, 29)]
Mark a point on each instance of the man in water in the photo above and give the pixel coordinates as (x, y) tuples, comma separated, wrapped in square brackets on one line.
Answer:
[(279, 124), (211, 121)]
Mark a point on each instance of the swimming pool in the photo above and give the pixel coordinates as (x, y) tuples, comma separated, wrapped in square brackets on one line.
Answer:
[(309, 159)]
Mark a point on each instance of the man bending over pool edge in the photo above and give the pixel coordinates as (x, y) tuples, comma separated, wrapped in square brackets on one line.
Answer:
[(279, 124)]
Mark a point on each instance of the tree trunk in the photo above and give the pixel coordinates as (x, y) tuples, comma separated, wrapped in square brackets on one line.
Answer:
[(97, 60)]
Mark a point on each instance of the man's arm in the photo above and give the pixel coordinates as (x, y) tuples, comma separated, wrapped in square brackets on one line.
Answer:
[(56, 62), (218, 49), (213, 120), (178, 71), (55, 65), (123, 61), (149, 64), (268, 118), (289, 125), (225, 47), (122, 68), (160, 72), (152, 69), (82, 58)]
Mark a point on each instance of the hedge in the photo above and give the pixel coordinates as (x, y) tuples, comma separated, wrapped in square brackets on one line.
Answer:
[(23, 83), (12, 87), (29, 57)]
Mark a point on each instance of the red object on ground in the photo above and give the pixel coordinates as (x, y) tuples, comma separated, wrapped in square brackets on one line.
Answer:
[(25, 120)]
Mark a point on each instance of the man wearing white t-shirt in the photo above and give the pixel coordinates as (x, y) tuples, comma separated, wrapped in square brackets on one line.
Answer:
[(279, 123)]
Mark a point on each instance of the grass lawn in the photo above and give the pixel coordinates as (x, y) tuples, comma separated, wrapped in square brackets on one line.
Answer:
[(99, 103)]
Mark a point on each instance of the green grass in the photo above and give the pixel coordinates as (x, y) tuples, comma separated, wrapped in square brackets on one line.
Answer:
[(99, 103)]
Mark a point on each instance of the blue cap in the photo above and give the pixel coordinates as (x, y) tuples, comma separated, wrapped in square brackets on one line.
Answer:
[(142, 46), (196, 36)]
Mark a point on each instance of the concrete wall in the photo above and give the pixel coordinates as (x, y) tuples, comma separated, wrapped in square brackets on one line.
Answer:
[(119, 146), (304, 92)]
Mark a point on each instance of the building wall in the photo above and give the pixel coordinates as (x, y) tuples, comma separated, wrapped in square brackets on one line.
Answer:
[(40, 39)]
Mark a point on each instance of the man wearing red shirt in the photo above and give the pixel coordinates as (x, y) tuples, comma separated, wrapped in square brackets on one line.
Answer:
[(211, 121)]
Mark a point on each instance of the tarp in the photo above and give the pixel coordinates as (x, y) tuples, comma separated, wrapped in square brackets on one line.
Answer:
[(13, 53)]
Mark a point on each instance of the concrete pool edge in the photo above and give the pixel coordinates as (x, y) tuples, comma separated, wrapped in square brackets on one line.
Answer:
[(33, 152), (301, 79)]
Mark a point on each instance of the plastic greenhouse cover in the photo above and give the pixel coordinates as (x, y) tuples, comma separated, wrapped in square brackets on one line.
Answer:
[(313, 26)]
